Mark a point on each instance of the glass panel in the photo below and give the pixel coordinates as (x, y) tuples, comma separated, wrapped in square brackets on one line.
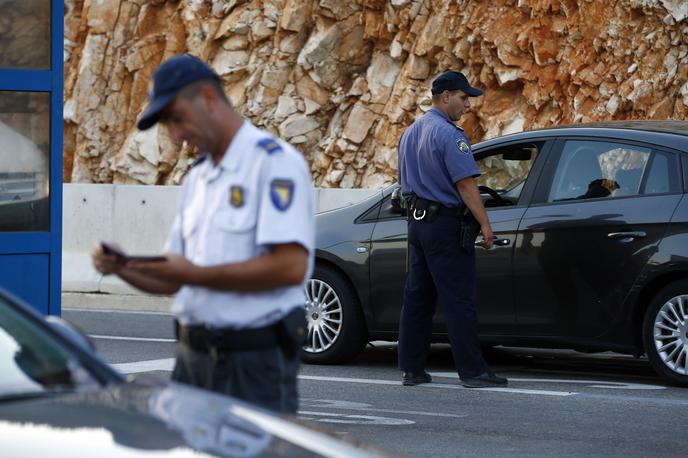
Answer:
[(24, 161), (25, 34), (662, 177), (593, 169), (506, 171), (32, 361)]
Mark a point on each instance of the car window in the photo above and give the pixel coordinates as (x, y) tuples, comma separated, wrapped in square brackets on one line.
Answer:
[(591, 169), (388, 211), (662, 177), (505, 170), (33, 360)]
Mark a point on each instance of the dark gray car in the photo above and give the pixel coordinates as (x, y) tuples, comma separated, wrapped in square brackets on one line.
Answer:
[(593, 253)]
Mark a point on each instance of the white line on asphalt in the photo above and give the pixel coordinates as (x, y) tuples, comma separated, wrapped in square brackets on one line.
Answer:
[(354, 419), (130, 312), (590, 383), (435, 385), (352, 405), (166, 364), (135, 339)]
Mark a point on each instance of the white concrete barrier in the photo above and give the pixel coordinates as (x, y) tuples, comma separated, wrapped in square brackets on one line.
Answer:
[(138, 218)]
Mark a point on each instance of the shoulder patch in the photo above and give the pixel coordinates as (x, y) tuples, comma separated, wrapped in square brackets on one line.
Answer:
[(463, 146), (199, 160), (270, 145), (282, 193)]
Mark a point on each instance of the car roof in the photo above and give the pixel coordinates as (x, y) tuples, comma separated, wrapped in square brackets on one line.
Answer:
[(665, 132)]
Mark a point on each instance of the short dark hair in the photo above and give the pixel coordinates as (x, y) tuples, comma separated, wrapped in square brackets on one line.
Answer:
[(436, 97)]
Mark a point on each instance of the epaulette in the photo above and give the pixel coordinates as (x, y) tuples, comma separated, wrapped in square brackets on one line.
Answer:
[(455, 126), (270, 145), (198, 160)]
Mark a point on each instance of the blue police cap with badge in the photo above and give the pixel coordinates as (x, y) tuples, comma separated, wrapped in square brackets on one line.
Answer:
[(169, 78), (452, 81)]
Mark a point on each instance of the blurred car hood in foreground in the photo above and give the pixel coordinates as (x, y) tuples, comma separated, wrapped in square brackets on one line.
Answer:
[(157, 419)]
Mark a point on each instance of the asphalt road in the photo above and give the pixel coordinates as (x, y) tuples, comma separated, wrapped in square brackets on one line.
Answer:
[(558, 403)]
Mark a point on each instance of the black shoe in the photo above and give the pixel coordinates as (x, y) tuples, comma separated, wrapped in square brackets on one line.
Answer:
[(484, 380), (415, 378)]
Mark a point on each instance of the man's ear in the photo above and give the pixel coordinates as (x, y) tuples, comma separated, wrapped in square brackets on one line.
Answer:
[(444, 97), (208, 96)]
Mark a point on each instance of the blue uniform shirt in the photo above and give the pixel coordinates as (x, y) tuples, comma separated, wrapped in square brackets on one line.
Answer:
[(433, 155)]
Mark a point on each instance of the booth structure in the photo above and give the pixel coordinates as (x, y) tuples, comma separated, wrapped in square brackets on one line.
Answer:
[(31, 83)]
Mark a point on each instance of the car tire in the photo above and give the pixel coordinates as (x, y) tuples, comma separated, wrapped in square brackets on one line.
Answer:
[(665, 332), (336, 326)]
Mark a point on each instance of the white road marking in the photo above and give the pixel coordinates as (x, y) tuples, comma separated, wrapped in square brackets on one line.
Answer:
[(166, 364), (435, 385), (125, 312), (353, 419), (134, 339), (590, 383), (350, 405)]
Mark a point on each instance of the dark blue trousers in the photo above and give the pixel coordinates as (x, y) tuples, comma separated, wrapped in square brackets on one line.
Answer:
[(439, 268), (265, 377)]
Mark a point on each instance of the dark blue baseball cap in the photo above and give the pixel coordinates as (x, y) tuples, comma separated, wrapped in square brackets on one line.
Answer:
[(452, 81), (169, 78)]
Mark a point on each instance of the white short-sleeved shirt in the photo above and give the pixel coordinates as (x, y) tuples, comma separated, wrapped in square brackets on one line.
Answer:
[(260, 194)]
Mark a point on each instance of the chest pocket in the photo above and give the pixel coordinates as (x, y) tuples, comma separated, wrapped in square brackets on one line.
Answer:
[(233, 235), (235, 219)]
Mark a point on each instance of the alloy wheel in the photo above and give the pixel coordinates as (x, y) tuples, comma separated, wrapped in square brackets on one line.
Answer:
[(670, 333), (324, 315)]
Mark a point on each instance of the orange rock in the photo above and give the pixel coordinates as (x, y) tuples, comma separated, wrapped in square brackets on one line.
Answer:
[(356, 74)]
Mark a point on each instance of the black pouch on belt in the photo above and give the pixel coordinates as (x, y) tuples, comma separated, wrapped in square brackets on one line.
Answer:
[(291, 332), (424, 210), (469, 230)]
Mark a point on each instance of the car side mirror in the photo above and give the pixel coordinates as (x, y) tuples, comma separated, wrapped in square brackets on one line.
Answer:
[(398, 202)]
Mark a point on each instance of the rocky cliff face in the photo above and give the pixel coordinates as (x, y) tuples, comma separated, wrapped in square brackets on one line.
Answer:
[(341, 79)]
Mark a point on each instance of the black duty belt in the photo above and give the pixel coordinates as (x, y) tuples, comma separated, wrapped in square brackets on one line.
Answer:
[(426, 210), (203, 339)]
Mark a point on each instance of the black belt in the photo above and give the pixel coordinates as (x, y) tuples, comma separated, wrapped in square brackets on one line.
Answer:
[(203, 339), (421, 208), (449, 211)]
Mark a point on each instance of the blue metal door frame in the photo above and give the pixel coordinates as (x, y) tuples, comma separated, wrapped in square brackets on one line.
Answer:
[(41, 287)]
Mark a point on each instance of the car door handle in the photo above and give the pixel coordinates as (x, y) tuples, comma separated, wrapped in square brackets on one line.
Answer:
[(495, 242), (626, 235)]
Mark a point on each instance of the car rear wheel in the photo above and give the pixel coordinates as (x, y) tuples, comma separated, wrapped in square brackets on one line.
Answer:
[(336, 328), (665, 332)]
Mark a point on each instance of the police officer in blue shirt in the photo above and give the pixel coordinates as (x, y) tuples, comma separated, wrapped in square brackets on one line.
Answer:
[(437, 176), (240, 249)]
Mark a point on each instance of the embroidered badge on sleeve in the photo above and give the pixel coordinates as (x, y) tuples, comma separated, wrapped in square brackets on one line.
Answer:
[(282, 193), (463, 146)]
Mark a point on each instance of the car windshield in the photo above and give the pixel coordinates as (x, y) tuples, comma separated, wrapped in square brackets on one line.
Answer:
[(33, 361)]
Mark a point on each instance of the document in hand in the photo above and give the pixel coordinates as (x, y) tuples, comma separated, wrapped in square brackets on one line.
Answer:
[(123, 257)]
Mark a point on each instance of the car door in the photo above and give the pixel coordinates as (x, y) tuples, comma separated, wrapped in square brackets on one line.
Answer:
[(597, 215), (495, 289), (511, 169)]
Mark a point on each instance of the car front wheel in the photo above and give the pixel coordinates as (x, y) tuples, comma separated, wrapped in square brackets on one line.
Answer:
[(336, 327), (665, 332)]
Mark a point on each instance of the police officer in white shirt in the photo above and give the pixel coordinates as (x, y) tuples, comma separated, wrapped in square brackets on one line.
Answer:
[(240, 248)]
